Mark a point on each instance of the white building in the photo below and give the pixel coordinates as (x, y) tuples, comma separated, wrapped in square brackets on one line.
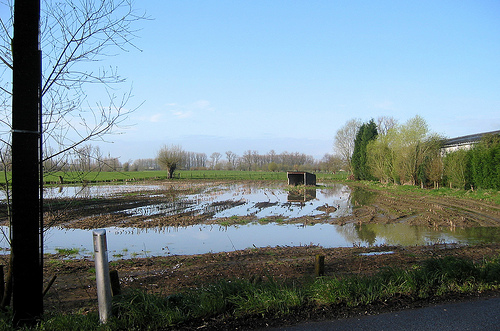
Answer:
[(464, 142)]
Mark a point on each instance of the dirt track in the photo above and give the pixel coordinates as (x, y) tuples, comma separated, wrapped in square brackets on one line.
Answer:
[(418, 209)]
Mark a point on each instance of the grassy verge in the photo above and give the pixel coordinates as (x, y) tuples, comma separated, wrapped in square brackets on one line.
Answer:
[(480, 194), (227, 301)]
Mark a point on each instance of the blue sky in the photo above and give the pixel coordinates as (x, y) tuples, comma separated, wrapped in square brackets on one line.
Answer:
[(286, 75)]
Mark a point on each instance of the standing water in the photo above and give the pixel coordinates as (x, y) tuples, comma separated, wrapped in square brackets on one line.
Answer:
[(257, 202)]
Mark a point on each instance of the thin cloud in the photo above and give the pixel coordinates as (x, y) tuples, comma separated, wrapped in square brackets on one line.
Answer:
[(203, 105), (189, 110), (155, 118), (181, 113)]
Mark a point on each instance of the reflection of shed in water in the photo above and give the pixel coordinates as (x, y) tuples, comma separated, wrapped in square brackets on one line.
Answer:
[(302, 195), (301, 178)]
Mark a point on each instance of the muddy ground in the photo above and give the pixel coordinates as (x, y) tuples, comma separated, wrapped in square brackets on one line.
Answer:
[(74, 288)]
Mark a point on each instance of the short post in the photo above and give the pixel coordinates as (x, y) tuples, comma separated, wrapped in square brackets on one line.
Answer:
[(102, 275), (319, 266)]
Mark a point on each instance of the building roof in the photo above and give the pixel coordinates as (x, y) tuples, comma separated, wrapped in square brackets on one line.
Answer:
[(467, 139)]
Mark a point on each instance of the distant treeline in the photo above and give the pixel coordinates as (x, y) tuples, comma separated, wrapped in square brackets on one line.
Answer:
[(251, 160), (89, 158)]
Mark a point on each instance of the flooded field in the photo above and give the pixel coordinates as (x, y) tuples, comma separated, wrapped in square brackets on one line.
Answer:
[(158, 220), (225, 201), (199, 239)]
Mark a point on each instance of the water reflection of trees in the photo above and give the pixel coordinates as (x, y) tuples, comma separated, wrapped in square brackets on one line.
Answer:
[(95, 191), (409, 235), (336, 190), (362, 197), (403, 234), (349, 232), (477, 234), (366, 234)]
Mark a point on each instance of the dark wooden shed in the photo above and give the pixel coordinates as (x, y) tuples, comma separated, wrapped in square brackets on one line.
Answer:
[(301, 178)]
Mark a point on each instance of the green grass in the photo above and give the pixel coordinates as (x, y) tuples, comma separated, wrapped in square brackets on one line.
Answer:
[(230, 175), (478, 194), (118, 177), (228, 300), (67, 251), (436, 277), (105, 177), (110, 177), (225, 223)]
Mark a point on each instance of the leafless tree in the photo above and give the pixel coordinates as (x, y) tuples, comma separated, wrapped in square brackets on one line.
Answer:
[(272, 156), (344, 141), (200, 160), (231, 159), (248, 159), (215, 158), (75, 37), (385, 123), (331, 163), (194, 160), (145, 164)]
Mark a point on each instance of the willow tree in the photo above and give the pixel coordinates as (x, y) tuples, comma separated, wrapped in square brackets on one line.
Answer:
[(380, 157), (407, 153), (414, 144), (432, 162), (170, 158), (456, 168)]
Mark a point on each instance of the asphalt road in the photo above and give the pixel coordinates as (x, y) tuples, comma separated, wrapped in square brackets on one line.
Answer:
[(471, 315)]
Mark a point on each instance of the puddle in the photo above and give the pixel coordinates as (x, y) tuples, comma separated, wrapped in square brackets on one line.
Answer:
[(362, 197), (376, 253), (199, 239)]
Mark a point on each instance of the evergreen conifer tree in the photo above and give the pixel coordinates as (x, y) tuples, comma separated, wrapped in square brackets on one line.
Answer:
[(366, 133)]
